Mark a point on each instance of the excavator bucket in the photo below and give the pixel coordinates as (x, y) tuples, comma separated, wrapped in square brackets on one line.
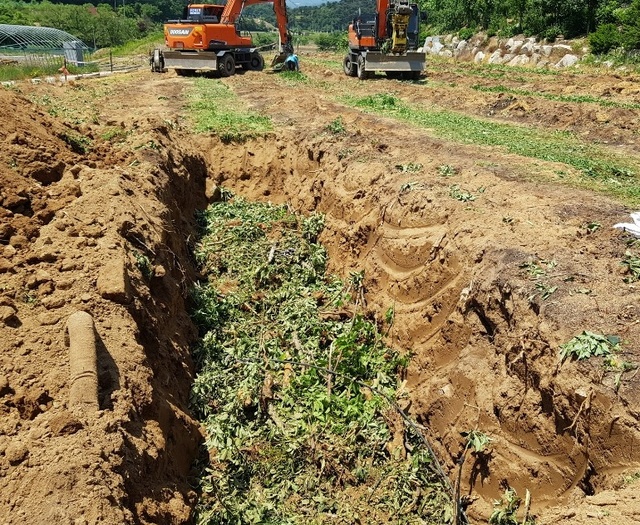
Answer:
[(278, 61), (277, 64)]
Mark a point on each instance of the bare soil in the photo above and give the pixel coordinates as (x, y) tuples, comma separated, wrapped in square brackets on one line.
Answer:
[(107, 226)]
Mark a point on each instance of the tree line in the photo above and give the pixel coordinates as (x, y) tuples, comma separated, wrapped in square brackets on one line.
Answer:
[(99, 25), (609, 24)]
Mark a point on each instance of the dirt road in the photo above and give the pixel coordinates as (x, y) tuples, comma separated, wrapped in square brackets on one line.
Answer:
[(490, 258)]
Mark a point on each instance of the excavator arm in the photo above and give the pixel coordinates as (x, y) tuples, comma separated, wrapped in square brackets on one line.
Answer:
[(233, 10), (280, 9)]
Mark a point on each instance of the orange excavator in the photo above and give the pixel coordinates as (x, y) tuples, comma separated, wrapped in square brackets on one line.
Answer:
[(386, 40), (207, 38)]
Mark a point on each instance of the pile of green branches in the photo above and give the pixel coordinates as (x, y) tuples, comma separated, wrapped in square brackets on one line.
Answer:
[(296, 388)]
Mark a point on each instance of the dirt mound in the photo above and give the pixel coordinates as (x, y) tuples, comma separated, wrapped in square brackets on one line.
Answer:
[(35, 156), (82, 232)]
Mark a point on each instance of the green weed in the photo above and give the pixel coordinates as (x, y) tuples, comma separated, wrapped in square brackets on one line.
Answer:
[(461, 194), (632, 265), (631, 478), (592, 227), (445, 170), (336, 126), (538, 268), (560, 98), (588, 344), (410, 167), (10, 72), (476, 440), (114, 134), (545, 290), (30, 297), (294, 386), (144, 264), (293, 77), (78, 143), (616, 364), (506, 508), (215, 109), (500, 70), (140, 46), (344, 153)]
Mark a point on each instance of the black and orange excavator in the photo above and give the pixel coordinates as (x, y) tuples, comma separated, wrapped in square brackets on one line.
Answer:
[(386, 40), (207, 38)]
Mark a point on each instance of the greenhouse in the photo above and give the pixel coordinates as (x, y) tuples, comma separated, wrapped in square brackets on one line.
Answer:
[(29, 42)]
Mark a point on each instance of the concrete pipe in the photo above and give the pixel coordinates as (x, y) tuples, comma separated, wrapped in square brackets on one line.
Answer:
[(84, 362)]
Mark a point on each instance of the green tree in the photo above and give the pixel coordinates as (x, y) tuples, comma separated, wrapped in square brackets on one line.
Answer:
[(14, 13)]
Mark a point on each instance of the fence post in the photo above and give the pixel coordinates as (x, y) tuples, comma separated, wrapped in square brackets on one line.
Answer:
[(111, 60)]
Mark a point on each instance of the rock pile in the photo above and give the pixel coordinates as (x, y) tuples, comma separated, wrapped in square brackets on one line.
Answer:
[(516, 51)]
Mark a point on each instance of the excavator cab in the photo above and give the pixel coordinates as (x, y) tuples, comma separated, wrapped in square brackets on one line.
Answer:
[(202, 14), (362, 31)]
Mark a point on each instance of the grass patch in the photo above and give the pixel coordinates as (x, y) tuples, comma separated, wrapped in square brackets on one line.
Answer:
[(293, 77), (602, 170), (214, 108), (10, 72), (295, 387), (581, 99), (325, 62), (336, 126), (114, 134), (77, 142), (134, 47)]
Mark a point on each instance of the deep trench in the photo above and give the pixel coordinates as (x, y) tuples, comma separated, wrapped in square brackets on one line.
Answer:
[(471, 330)]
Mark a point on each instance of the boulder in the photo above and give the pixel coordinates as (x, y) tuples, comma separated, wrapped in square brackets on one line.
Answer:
[(434, 48), (461, 46), (568, 61), (516, 46), (113, 281), (519, 60), (562, 49)]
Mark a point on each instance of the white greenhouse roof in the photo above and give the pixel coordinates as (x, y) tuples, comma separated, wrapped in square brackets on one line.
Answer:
[(24, 37)]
